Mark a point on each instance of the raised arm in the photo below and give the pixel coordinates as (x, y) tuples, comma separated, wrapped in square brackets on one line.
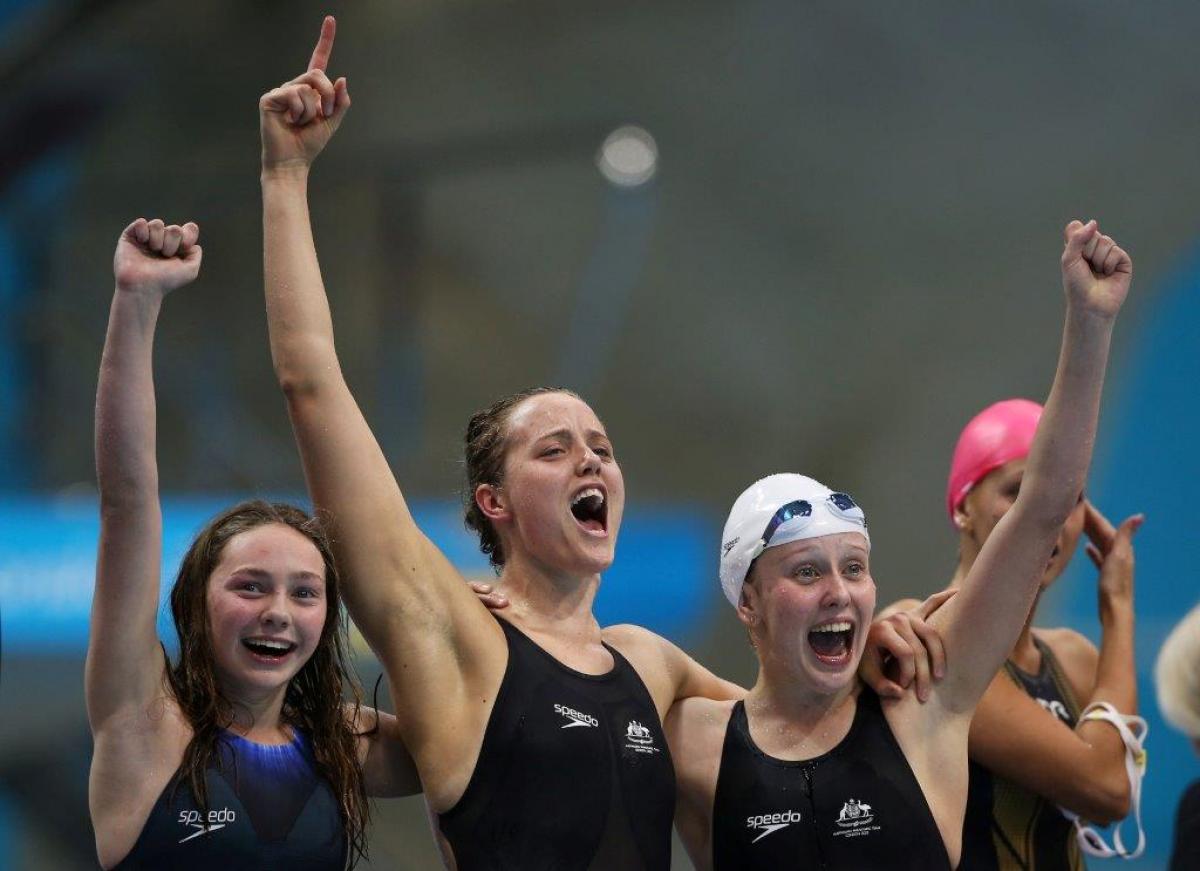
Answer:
[(980, 625), (125, 666), (410, 603)]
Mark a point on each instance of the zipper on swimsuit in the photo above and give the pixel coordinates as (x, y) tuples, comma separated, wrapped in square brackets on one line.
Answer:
[(812, 814)]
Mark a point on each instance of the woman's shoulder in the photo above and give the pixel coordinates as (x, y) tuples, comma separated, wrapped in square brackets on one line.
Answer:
[(652, 656), (1075, 652)]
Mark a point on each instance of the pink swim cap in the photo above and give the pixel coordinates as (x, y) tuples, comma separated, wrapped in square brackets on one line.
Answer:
[(1000, 433)]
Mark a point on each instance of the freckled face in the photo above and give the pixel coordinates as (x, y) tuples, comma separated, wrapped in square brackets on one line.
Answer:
[(266, 608), (562, 491), (990, 499), (813, 601)]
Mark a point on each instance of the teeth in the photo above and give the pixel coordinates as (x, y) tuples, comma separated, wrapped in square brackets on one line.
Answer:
[(833, 627), (274, 645), (584, 494)]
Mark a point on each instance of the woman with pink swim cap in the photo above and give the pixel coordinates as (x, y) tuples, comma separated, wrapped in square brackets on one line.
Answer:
[(1030, 754)]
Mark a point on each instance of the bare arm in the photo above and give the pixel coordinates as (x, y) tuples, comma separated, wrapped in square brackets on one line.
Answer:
[(125, 666), (981, 623), (695, 730), (388, 769), (1082, 770), (696, 681), (411, 604)]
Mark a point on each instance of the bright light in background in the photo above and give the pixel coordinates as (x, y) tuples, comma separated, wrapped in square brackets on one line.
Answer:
[(628, 157)]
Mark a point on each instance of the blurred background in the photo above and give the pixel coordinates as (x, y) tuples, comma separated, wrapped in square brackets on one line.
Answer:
[(755, 235)]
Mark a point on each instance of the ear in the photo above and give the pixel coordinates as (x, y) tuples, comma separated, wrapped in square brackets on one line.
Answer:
[(748, 606), (492, 502), (962, 515)]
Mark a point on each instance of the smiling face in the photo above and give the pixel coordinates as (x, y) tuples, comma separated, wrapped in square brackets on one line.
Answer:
[(561, 495), (990, 499), (808, 605), (266, 606)]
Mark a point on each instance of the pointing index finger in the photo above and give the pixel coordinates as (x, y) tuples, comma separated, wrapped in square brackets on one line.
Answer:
[(320, 55)]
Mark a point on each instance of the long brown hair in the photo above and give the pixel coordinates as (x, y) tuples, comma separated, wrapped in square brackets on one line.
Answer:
[(313, 701), (484, 448)]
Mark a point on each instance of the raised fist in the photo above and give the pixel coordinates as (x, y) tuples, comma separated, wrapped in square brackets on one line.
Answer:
[(155, 257), (299, 117), (1096, 271)]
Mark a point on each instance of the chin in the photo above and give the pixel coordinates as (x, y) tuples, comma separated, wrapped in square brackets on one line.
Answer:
[(594, 556), (827, 684), (595, 564), (253, 680), (830, 681)]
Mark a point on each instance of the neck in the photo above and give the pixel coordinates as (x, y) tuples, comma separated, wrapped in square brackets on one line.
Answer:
[(544, 600), (791, 724), (258, 716), (780, 694)]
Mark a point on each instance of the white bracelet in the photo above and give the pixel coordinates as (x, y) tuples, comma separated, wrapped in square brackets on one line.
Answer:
[(1133, 731)]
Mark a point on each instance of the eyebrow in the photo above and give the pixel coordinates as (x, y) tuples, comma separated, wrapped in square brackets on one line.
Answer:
[(306, 576), (813, 552), (809, 552), (249, 570), (262, 573), (564, 434)]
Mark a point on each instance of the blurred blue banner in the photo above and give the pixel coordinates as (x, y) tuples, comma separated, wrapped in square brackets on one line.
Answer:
[(663, 578)]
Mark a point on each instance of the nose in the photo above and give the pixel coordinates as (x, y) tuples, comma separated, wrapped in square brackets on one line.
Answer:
[(590, 462), (275, 612), (837, 593)]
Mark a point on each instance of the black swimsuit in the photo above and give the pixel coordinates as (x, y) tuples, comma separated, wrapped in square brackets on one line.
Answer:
[(574, 772), (1014, 828), (267, 809), (859, 806)]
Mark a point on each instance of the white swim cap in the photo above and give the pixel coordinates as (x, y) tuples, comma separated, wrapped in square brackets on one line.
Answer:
[(777, 510)]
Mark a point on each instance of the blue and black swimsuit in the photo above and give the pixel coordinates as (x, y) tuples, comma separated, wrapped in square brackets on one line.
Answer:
[(268, 808)]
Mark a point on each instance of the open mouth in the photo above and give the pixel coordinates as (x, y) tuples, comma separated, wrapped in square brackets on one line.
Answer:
[(832, 642), (590, 510), (268, 648)]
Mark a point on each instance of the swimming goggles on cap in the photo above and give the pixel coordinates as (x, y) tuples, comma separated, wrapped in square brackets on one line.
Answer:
[(840, 505)]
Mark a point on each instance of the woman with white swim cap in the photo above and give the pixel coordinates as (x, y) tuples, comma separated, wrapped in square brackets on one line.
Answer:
[(813, 769)]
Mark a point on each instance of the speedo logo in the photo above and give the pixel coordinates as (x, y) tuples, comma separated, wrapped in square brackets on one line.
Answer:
[(576, 718), (770, 823), (195, 820)]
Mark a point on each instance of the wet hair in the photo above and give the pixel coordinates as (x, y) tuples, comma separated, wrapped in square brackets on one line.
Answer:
[(485, 448), (313, 701)]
